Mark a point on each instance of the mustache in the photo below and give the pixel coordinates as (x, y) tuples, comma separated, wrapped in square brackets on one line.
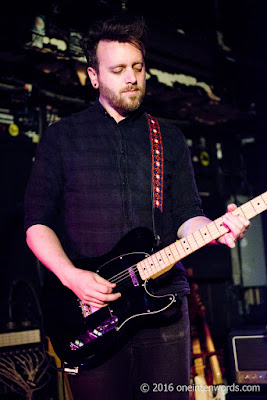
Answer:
[(131, 87)]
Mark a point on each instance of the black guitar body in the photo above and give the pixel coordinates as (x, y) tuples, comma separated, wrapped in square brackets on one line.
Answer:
[(78, 334)]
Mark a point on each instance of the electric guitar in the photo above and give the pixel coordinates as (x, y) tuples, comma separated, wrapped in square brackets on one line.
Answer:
[(80, 333)]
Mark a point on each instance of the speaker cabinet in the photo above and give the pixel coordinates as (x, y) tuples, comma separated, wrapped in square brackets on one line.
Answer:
[(248, 257), (248, 356)]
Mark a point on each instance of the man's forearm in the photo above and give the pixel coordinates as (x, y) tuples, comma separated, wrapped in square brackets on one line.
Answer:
[(88, 286), (236, 225), (192, 225), (46, 246)]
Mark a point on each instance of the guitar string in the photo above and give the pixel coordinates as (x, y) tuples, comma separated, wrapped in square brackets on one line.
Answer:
[(122, 280), (125, 284), (125, 279), (123, 275)]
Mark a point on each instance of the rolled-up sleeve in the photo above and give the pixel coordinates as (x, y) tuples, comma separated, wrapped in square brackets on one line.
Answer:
[(44, 190)]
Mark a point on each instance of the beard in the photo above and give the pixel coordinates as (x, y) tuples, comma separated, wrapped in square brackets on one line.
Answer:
[(123, 102)]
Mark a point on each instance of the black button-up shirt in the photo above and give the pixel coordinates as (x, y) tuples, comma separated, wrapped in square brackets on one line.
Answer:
[(91, 181)]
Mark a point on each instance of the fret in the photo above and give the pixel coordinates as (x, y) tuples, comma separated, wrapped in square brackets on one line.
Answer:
[(205, 234), (164, 256), (186, 246), (158, 263), (180, 248), (220, 226), (192, 242), (164, 260), (150, 266), (248, 210), (239, 211), (213, 230), (143, 269), (153, 262), (198, 238), (175, 251), (170, 255), (258, 204)]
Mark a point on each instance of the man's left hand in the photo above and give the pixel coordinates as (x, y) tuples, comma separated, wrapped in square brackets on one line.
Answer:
[(237, 226)]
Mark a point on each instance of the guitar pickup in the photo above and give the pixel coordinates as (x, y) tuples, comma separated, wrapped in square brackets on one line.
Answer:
[(133, 276)]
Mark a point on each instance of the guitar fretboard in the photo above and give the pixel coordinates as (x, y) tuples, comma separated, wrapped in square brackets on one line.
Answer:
[(163, 260)]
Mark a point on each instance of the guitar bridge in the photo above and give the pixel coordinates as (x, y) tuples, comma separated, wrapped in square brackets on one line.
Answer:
[(89, 336)]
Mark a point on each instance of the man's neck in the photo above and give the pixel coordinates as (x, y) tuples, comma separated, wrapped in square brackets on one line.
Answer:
[(118, 116)]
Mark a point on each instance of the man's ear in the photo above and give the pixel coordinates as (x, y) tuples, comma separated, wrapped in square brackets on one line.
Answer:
[(93, 77)]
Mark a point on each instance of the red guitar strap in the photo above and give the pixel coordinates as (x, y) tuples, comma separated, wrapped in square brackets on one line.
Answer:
[(157, 162), (157, 176)]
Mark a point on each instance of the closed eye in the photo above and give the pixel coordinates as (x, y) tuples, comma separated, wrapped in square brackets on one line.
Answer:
[(138, 67), (118, 70)]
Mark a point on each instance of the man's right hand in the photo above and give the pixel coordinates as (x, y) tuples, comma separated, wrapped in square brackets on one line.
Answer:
[(91, 288)]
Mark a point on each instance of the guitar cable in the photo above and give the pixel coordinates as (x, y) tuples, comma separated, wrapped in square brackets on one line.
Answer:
[(63, 381)]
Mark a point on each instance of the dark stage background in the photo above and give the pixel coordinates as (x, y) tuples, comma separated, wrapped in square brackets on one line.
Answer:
[(207, 74)]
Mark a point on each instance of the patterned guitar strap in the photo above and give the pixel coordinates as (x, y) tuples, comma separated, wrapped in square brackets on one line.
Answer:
[(157, 176)]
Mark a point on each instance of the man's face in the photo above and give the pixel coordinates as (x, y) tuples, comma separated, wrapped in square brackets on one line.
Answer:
[(120, 77)]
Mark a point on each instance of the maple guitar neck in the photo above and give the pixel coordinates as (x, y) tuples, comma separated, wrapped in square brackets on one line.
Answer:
[(163, 260)]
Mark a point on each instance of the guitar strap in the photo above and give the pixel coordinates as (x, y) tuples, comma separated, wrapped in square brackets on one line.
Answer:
[(157, 176)]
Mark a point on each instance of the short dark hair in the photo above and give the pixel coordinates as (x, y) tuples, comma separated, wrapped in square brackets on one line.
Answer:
[(121, 28)]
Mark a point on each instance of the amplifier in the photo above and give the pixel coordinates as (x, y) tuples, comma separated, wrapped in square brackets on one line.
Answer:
[(10, 340), (24, 366), (249, 356)]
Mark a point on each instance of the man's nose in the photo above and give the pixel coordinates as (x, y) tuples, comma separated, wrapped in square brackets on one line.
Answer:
[(130, 76)]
